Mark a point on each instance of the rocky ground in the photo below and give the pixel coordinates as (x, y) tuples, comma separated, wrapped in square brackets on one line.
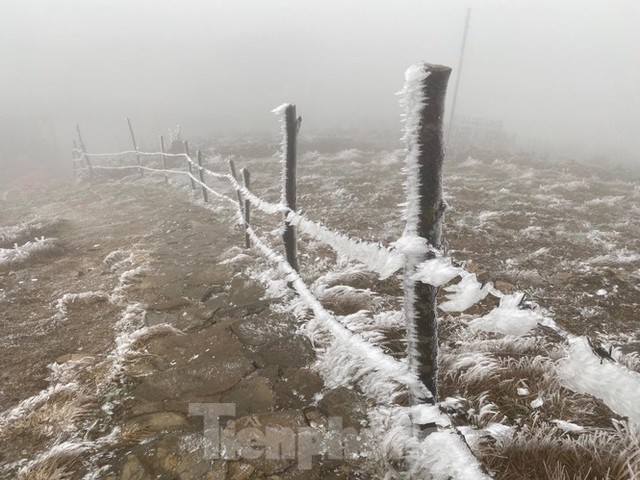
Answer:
[(160, 315)]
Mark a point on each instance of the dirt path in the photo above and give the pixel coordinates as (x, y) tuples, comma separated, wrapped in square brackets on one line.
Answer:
[(159, 314)]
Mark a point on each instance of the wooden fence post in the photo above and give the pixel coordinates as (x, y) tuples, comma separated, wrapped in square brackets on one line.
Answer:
[(74, 158), (205, 195), (426, 90), (292, 126), (135, 147), (84, 151), (186, 151), (246, 176), (164, 160), (232, 167)]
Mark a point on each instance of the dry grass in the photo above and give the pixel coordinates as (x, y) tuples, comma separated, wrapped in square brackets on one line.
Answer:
[(345, 300), (545, 451), (495, 380)]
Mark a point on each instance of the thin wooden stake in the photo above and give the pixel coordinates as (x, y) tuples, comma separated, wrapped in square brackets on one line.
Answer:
[(85, 157), (186, 151), (74, 158), (205, 194), (164, 160), (292, 126), (232, 167), (135, 147), (246, 176), (420, 298)]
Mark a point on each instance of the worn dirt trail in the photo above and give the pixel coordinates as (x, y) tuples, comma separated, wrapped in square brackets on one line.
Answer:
[(162, 314)]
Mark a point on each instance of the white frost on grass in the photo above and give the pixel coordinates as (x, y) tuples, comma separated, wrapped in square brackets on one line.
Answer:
[(508, 318), (20, 253), (62, 304), (465, 294), (617, 386), (622, 255), (12, 233)]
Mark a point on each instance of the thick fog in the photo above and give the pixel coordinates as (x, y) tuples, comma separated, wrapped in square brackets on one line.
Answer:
[(558, 74)]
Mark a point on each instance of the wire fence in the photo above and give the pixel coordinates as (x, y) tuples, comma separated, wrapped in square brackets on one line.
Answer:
[(380, 375)]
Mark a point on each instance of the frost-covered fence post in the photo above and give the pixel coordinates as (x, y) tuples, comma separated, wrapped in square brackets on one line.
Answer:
[(85, 157), (135, 147), (164, 160), (205, 196), (186, 152), (290, 129), (423, 99), (246, 177), (232, 168)]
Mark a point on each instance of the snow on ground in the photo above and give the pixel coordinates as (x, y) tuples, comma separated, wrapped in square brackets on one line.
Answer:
[(616, 385), (464, 294), (508, 318)]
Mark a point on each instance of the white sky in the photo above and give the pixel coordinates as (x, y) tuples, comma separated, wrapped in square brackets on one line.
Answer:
[(562, 71)]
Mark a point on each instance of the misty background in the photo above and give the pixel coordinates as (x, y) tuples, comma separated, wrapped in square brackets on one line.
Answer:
[(562, 76)]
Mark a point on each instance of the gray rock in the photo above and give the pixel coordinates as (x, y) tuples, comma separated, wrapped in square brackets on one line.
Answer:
[(133, 469), (251, 396), (290, 352), (346, 404)]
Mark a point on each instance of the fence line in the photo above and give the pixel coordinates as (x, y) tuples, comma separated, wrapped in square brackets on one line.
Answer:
[(394, 370), (376, 368), (382, 260)]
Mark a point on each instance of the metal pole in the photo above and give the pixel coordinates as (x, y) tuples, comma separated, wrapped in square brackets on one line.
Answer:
[(458, 75)]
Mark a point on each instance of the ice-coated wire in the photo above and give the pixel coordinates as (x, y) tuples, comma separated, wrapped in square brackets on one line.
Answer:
[(395, 370), (211, 190), (133, 152), (376, 257), (132, 167)]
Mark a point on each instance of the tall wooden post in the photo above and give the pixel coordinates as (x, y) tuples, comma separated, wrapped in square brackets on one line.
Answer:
[(84, 151), (205, 194), (135, 147), (425, 111), (292, 127), (186, 152), (232, 168), (164, 160), (246, 176)]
